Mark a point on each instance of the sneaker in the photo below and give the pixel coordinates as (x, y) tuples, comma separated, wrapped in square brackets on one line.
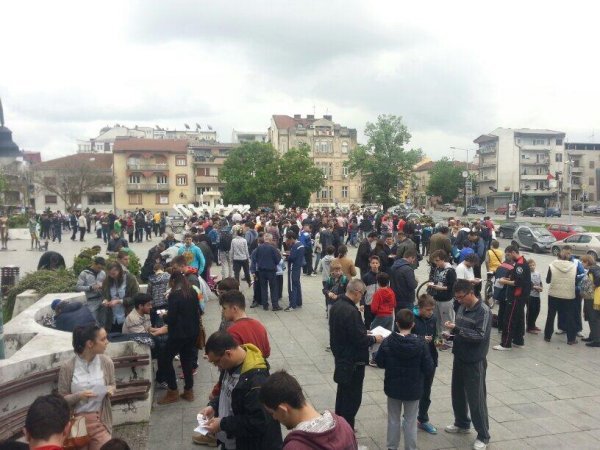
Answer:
[(289, 309), (254, 305), (533, 331), (194, 372), (372, 363), (560, 332), (456, 430), (517, 345), (547, 339), (573, 342), (500, 348), (427, 427), (201, 439), (176, 358), (479, 445), (277, 308), (580, 334)]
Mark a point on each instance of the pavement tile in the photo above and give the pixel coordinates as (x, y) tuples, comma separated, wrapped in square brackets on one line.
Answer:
[(524, 428), (554, 424), (504, 414), (531, 410)]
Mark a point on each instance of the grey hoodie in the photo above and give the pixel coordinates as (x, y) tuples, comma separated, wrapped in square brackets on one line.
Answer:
[(87, 278)]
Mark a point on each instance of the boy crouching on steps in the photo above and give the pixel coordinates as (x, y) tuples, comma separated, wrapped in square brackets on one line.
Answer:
[(426, 328)]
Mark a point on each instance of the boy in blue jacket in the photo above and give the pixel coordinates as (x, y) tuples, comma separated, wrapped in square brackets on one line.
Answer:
[(426, 328), (407, 362)]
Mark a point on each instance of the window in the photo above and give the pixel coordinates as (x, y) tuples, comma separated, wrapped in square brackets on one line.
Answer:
[(162, 199), (558, 157), (592, 164), (591, 181), (223, 152), (135, 199), (330, 189), (585, 239), (181, 180), (161, 179), (539, 142), (344, 171), (133, 161), (202, 171), (559, 141), (180, 160), (323, 147), (324, 192), (344, 191), (51, 199), (49, 180), (572, 239), (344, 147), (135, 178), (591, 197), (202, 189), (100, 198)]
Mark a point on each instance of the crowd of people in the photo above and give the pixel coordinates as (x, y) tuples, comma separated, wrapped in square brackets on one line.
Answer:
[(376, 291)]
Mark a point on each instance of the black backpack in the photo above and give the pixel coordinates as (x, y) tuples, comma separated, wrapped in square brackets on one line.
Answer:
[(225, 241)]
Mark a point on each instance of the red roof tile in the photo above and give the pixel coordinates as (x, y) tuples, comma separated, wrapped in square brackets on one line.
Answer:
[(101, 161), (129, 144)]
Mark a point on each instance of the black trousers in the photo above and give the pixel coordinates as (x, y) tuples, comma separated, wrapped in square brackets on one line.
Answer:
[(139, 234), (576, 314), (566, 309), (186, 349), (368, 317), (425, 400), (308, 256), (349, 396), (469, 394), (533, 311), (268, 283), (513, 329), (81, 233), (501, 313), (74, 235), (237, 266)]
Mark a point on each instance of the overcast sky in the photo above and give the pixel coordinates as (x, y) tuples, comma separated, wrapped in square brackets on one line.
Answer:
[(453, 70)]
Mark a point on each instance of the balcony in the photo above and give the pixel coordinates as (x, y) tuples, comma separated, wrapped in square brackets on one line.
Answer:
[(207, 179), (485, 164), (537, 148), (578, 169), (535, 162), (486, 150), (147, 187), (145, 167), (207, 160), (534, 177)]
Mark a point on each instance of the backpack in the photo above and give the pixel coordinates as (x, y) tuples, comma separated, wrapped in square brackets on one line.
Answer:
[(587, 287), (225, 241)]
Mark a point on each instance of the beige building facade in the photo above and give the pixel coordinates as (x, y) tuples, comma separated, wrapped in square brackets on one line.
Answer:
[(585, 171), (207, 160), (330, 144), (152, 174)]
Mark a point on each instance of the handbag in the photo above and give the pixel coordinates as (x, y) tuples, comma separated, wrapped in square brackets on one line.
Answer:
[(587, 287), (201, 339), (78, 434)]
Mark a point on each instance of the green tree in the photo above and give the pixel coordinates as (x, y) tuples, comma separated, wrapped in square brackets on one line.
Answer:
[(384, 164), (250, 174), (298, 177), (445, 179)]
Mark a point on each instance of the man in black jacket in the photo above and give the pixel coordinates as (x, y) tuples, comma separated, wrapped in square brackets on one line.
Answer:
[(471, 332), (403, 281), (267, 258), (364, 252), (349, 344), (236, 416)]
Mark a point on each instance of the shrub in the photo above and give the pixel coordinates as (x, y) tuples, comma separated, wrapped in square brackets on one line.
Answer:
[(18, 221), (44, 282), (83, 260)]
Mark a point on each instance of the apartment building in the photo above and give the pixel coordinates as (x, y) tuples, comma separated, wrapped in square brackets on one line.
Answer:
[(207, 160), (585, 170), (151, 173), (239, 137), (517, 162), (422, 174), (105, 141), (330, 144)]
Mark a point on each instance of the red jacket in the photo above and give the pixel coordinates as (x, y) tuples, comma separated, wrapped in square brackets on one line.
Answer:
[(401, 224), (384, 302)]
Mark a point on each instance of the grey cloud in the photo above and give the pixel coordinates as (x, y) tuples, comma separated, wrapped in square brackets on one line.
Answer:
[(286, 37)]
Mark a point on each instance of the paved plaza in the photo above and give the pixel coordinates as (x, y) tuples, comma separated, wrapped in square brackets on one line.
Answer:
[(546, 395)]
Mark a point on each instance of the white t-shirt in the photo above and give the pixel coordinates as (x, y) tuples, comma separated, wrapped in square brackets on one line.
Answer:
[(463, 272)]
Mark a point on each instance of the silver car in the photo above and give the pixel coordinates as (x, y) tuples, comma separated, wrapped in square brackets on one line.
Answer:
[(580, 243), (534, 238)]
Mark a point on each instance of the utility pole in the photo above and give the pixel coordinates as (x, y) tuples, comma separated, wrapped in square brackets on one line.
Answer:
[(570, 181)]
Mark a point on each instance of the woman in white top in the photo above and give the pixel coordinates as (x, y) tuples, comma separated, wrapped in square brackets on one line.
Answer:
[(87, 381)]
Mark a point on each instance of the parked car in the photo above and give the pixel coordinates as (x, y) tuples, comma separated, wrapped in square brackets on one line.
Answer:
[(577, 206), (448, 207), (476, 209), (537, 239), (553, 212), (561, 232), (507, 229), (534, 211), (592, 209), (580, 243), (501, 210)]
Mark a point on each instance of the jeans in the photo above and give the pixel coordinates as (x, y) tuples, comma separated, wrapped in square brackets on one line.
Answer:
[(533, 311), (74, 235), (268, 282), (425, 400), (186, 349), (349, 396), (565, 308), (469, 394), (105, 234), (308, 268), (394, 408), (593, 317), (317, 259), (81, 233), (139, 234), (386, 322), (237, 266), (294, 289), (226, 267)]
